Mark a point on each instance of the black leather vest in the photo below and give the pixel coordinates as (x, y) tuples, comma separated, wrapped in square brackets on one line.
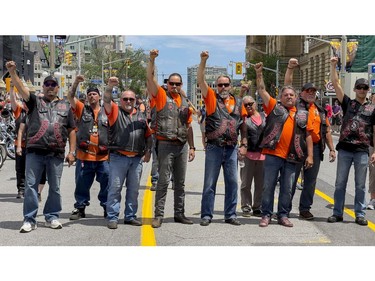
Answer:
[(86, 127), (274, 126), (128, 132), (255, 133), (47, 126), (222, 127), (171, 120), (356, 125)]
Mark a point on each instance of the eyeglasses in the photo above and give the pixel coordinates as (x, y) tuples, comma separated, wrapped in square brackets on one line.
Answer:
[(362, 87), (177, 84), (248, 104), (223, 84), (51, 84), (128, 99)]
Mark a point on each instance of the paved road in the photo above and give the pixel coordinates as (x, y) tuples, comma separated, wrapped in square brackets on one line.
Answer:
[(92, 230)]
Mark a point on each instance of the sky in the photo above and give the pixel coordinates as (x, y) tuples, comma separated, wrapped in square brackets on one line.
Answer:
[(177, 53)]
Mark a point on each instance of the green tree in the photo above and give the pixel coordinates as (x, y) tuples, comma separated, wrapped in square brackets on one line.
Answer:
[(129, 67), (269, 61)]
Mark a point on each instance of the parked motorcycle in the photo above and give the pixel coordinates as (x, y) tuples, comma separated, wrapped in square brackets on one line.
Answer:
[(8, 133)]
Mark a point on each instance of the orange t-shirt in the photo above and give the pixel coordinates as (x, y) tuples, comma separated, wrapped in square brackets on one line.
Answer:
[(160, 101), (94, 138), (282, 147), (313, 123), (16, 114), (112, 117), (210, 102)]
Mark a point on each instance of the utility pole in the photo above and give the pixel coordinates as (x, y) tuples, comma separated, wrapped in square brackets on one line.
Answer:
[(51, 52)]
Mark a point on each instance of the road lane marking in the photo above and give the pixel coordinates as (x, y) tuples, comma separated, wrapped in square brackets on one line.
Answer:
[(346, 210), (147, 232)]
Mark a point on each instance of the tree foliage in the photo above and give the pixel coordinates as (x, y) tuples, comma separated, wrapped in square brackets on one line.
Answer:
[(269, 61), (129, 67)]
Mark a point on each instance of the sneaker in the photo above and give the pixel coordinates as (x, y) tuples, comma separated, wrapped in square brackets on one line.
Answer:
[(257, 213), (205, 222), (112, 225), (20, 194), (371, 204), (77, 214), (27, 227), (361, 221), (265, 221), (284, 221), (306, 215), (246, 212), (335, 218), (299, 186), (54, 224)]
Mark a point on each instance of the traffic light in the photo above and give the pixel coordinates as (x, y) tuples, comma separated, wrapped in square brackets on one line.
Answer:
[(239, 68), (68, 57), (62, 81)]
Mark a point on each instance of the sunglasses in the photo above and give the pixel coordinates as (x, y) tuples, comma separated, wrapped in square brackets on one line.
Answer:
[(362, 87), (248, 104), (177, 84), (223, 84), (128, 99), (51, 84)]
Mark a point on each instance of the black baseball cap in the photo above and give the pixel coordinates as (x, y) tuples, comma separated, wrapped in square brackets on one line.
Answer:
[(51, 78), (361, 81), (308, 86)]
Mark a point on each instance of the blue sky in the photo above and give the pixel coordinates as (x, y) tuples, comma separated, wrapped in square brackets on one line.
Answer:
[(176, 53)]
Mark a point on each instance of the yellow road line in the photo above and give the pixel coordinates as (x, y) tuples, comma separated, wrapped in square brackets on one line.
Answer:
[(346, 210), (147, 232)]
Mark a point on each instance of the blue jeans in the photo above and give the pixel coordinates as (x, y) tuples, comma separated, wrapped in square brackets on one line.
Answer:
[(35, 165), (85, 175), (309, 181), (273, 166), (123, 168), (217, 157), (344, 162), (172, 161), (155, 166)]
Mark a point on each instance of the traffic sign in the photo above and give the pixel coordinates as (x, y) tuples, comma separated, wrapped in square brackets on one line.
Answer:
[(96, 81), (329, 87)]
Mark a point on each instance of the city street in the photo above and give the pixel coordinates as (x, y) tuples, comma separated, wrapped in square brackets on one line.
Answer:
[(92, 230)]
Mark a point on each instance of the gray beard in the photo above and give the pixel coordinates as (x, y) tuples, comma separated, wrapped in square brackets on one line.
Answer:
[(224, 94)]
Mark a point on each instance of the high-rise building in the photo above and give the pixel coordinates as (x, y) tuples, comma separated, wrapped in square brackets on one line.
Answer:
[(211, 74)]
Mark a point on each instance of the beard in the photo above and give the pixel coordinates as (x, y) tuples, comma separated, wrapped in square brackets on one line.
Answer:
[(224, 94)]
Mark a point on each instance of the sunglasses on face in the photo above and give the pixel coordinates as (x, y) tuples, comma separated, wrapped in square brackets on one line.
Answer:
[(177, 84), (248, 104), (223, 84), (128, 99), (50, 84), (362, 87)]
